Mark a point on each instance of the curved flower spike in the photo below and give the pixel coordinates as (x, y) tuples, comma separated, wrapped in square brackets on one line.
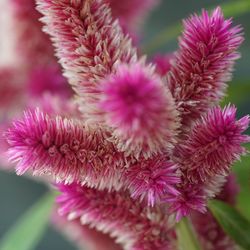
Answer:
[(130, 223), (89, 43), (205, 158), (72, 152), (203, 63), (140, 110), (213, 146), (64, 149)]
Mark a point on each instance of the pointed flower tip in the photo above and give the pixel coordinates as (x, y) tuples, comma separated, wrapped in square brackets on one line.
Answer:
[(203, 64), (139, 109), (214, 144)]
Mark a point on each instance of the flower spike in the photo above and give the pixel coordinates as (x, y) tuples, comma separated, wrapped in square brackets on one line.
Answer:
[(130, 223), (64, 149), (203, 63), (206, 156), (214, 144), (89, 44)]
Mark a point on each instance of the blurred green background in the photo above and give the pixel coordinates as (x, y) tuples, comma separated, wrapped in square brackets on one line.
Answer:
[(17, 194)]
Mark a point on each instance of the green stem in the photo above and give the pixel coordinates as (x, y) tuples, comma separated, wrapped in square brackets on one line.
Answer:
[(233, 8), (186, 236)]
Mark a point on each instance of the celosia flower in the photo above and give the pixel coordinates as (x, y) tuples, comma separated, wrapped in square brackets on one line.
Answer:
[(140, 110), (130, 223), (73, 152), (207, 155), (152, 179), (127, 144), (89, 43), (203, 63), (213, 145)]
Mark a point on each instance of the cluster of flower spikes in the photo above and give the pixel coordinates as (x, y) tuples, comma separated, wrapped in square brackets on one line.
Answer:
[(33, 76), (145, 142)]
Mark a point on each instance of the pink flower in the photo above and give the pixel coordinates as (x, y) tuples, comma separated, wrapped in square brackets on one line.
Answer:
[(213, 145), (140, 110), (73, 152), (205, 158), (203, 63), (64, 149), (127, 163), (83, 236), (130, 223), (88, 42)]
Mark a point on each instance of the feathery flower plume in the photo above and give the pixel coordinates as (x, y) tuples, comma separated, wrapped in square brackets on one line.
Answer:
[(64, 149), (214, 144), (210, 233), (72, 152), (89, 44), (140, 110), (207, 155), (203, 64), (130, 223)]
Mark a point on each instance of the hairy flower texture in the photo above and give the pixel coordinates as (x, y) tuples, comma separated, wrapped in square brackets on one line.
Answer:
[(130, 223), (190, 198), (151, 180), (140, 110), (205, 158), (64, 149), (203, 64), (213, 145), (89, 44), (72, 152), (210, 233)]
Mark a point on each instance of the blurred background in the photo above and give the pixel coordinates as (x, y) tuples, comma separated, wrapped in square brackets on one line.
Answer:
[(160, 33)]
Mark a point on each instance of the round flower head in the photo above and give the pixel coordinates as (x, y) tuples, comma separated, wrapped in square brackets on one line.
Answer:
[(140, 110)]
